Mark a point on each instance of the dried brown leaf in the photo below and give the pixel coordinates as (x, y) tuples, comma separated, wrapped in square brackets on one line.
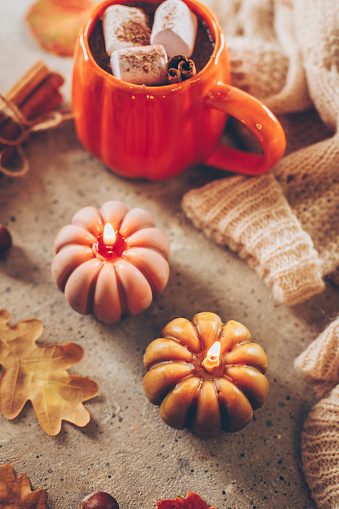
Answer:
[(16, 493)]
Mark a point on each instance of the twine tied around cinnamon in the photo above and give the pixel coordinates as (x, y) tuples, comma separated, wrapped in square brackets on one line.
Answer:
[(43, 123), (27, 108)]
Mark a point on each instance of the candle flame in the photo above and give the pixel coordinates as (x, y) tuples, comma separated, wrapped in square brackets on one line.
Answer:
[(109, 235), (212, 359), (214, 352)]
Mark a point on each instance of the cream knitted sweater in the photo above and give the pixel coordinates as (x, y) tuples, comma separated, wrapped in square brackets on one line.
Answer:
[(319, 364), (285, 224)]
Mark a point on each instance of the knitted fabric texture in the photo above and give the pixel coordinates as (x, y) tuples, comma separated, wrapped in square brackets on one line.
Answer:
[(319, 364), (287, 55), (253, 218)]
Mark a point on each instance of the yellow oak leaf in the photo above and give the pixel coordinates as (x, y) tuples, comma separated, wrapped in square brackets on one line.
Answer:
[(16, 493), (38, 373), (56, 23)]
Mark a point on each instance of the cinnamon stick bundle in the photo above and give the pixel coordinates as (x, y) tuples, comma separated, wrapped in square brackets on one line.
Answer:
[(180, 68), (23, 109)]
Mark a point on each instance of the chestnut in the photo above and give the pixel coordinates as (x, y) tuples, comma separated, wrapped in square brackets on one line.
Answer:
[(99, 500), (5, 239)]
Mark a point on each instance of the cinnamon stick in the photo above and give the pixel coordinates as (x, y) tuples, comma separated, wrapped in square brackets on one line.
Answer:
[(27, 83), (187, 69), (173, 75)]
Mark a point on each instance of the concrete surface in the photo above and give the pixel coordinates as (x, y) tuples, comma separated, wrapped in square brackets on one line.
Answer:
[(126, 449)]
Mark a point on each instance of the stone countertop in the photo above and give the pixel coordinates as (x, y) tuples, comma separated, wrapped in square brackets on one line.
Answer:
[(126, 449)]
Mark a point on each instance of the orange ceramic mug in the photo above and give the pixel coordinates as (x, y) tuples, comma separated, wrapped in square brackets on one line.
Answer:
[(156, 132)]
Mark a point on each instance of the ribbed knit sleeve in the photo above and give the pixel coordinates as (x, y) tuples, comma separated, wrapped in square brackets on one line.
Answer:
[(252, 217)]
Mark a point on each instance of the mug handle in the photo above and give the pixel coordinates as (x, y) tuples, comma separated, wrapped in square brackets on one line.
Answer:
[(258, 119)]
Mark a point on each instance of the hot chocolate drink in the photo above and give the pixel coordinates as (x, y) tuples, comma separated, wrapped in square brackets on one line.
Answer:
[(203, 48)]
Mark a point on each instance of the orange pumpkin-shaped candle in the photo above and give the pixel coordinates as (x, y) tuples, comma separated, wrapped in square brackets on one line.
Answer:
[(111, 262), (205, 375)]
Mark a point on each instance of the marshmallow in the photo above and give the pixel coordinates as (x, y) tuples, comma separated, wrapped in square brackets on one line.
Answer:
[(175, 27), (142, 65), (124, 27)]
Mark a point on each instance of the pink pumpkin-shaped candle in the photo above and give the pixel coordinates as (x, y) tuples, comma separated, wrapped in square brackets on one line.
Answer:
[(205, 375), (111, 262)]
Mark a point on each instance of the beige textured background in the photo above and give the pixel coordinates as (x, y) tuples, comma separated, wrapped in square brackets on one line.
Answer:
[(126, 449)]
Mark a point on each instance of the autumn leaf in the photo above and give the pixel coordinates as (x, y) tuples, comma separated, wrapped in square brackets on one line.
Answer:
[(16, 493), (38, 373), (192, 501), (56, 23)]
